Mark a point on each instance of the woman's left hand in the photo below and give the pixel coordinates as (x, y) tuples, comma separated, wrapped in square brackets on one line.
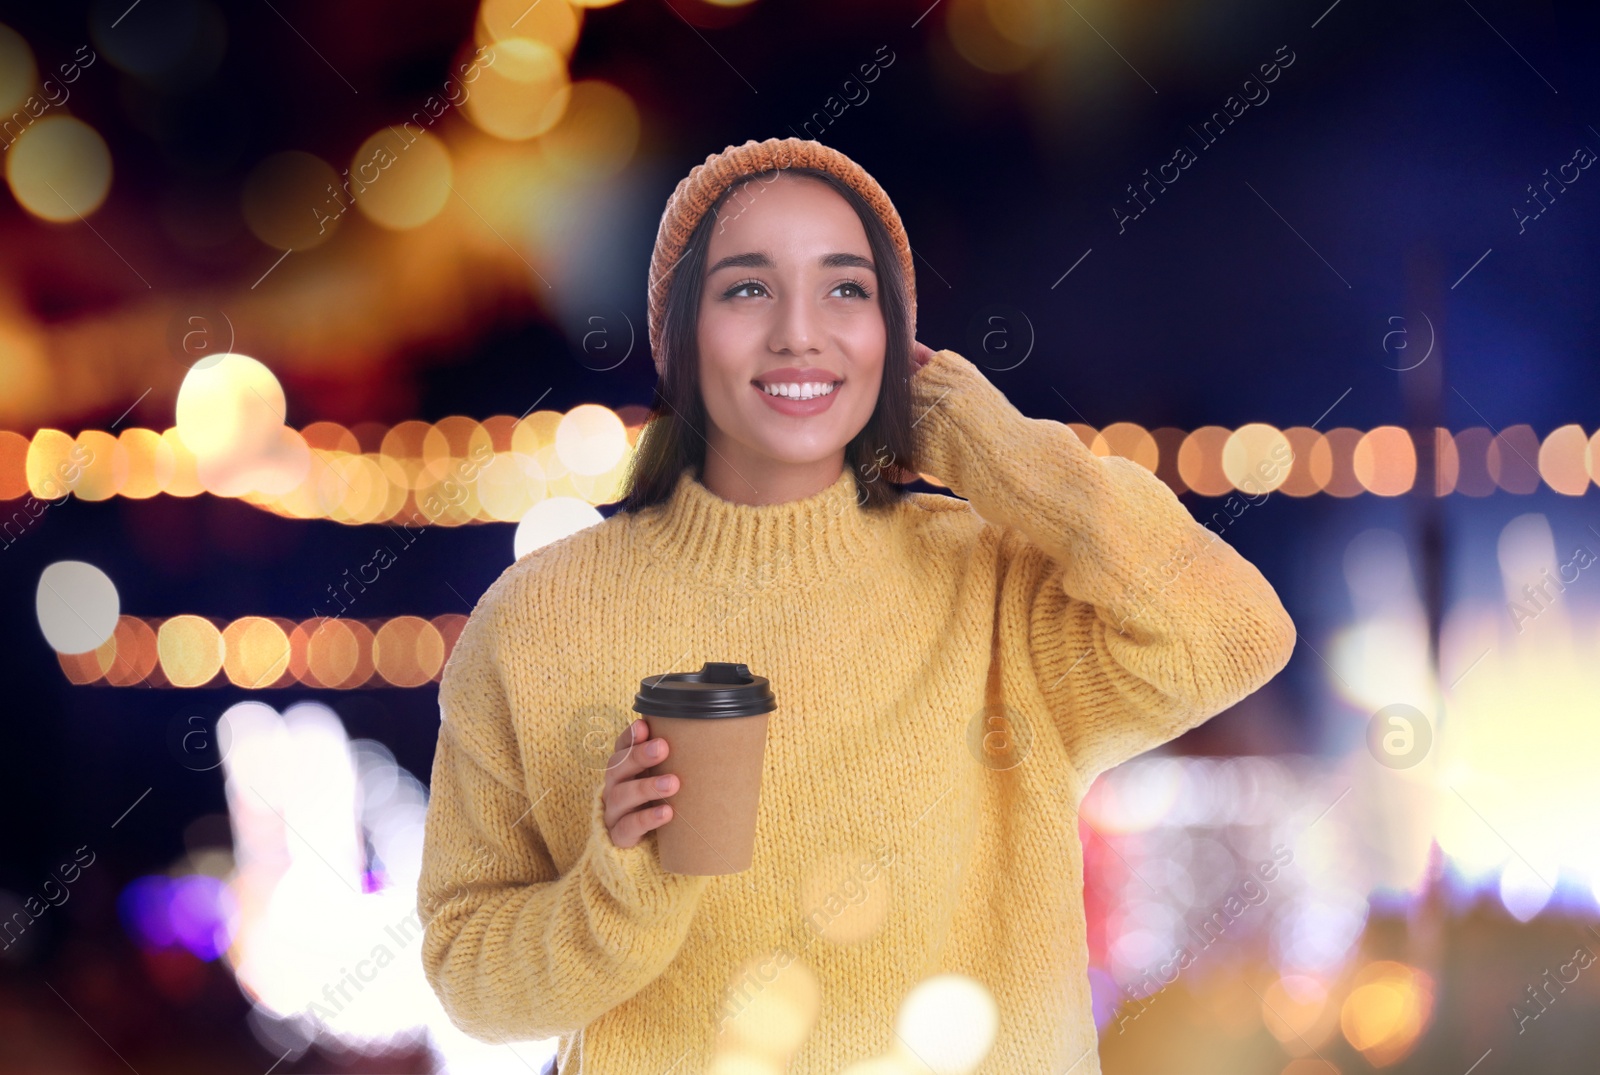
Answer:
[(920, 353)]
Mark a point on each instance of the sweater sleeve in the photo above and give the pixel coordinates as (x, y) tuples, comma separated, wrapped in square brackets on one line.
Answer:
[(1140, 622), (514, 950)]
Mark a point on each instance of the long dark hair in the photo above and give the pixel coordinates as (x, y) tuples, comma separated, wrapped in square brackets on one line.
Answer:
[(674, 434)]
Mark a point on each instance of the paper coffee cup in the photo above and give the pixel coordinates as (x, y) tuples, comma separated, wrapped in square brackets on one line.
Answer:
[(715, 724)]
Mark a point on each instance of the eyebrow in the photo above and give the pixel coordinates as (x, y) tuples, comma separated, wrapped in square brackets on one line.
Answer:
[(757, 259)]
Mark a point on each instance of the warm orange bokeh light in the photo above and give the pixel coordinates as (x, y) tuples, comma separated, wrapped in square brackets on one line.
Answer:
[(408, 651), (1385, 462), (1303, 441), (1200, 461), (136, 656), (1333, 462), (1386, 1011), (191, 650), (257, 652), (151, 464), (1561, 460), (1473, 477), (1129, 440), (107, 471), (1513, 459)]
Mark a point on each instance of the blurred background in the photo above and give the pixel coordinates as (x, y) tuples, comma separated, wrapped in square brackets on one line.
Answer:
[(314, 317)]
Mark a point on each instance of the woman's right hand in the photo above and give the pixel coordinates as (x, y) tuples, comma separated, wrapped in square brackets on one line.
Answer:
[(631, 807)]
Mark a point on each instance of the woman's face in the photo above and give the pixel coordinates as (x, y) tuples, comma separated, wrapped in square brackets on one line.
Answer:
[(790, 296)]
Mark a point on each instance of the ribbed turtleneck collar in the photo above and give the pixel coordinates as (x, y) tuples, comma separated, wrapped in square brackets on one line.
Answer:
[(697, 530)]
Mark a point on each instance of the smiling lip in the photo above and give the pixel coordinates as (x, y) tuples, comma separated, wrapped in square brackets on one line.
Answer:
[(800, 408), (796, 375)]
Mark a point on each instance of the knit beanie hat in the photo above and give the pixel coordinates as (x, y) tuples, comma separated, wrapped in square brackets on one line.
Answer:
[(705, 182)]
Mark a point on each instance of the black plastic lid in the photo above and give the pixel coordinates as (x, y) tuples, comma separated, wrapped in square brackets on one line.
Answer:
[(719, 689)]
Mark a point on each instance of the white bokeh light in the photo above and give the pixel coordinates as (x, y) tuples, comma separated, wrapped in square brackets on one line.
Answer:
[(327, 853), (550, 520), (77, 606), (229, 405), (949, 1022), (590, 439)]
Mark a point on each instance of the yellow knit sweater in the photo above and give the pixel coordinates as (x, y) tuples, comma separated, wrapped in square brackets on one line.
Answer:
[(950, 677)]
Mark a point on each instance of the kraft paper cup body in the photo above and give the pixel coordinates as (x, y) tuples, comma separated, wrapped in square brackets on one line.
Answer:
[(715, 725), (718, 764)]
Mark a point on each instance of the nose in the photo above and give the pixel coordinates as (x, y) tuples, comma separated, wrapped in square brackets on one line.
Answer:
[(794, 327)]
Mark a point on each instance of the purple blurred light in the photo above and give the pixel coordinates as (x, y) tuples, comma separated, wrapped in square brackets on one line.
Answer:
[(202, 914), (142, 906), (195, 911), (1104, 997)]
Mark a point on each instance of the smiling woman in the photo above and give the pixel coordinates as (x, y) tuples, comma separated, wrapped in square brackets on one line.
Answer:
[(906, 635), (767, 321), (776, 268)]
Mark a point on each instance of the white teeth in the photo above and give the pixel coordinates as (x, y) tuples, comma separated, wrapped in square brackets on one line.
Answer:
[(799, 391)]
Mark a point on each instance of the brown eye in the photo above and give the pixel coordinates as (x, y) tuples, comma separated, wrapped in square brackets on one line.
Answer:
[(733, 292)]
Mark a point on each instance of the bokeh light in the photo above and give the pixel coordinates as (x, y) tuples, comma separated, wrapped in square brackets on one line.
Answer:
[(551, 520), (195, 911), (230, 409), (948, 1022), (18, 71), (107, 470), (1296, 1011), (408, 651), (1386, 1011), (1256, 458), (255, 652), (77, 606), (1129, 440), (60, 169), (404, 177), (54, 464), (555, 25), (996, 46), (590, 439), (151, 463), (1200, 461), (524, 94), (1333, 462), (775, 999), (1385, 462), (1561, 460), (190, 649), (597, 134)]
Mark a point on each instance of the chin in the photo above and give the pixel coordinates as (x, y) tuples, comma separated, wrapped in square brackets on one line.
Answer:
[(798, 457)]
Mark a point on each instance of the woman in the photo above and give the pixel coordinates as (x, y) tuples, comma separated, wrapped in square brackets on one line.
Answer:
[(951, 673)]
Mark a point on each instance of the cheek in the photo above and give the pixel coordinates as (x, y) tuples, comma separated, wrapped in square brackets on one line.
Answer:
[(867, 389), (725, 392), (867, 346), (722, 354)]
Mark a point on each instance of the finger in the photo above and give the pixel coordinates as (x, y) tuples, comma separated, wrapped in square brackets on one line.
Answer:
[(633, 827), (630, 795), (641, 755), (627, 752), (630, 734), (625, 766)]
